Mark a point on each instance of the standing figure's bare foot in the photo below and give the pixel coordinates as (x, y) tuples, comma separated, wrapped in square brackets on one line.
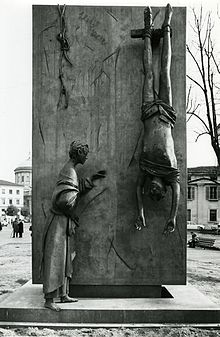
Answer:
[(148, 22), (170, 227), (49, 304), (67, 299)]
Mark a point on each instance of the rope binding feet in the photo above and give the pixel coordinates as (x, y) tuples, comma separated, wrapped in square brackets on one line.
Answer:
[(166, 29)]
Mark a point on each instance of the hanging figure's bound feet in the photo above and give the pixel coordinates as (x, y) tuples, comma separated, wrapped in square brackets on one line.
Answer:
[(167, 19), (148, 22), (168, 15)]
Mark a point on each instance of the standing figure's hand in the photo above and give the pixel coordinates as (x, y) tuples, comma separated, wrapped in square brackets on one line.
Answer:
[(99, 175)]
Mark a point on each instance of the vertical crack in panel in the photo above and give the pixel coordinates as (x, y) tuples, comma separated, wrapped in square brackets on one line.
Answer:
[(135, 149), (41, 132)]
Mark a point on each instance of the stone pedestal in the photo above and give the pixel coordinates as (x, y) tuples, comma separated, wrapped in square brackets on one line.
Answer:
[(102, 108), (186, 306)]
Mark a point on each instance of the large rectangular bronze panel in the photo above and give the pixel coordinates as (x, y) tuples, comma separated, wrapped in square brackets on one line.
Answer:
[(104, 88)]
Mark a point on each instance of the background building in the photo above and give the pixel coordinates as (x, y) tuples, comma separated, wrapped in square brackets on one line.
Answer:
[(10, 194), (203, 195), (23, 176)]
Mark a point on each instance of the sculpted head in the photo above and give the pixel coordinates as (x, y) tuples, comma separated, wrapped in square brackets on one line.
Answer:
[(78, 152), (157, 189)]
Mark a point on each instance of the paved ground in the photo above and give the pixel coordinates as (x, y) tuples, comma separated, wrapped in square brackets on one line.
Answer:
[(15, 259), (6, 235)]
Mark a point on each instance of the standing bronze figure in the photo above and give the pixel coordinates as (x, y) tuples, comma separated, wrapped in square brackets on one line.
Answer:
[(60, 226), (157, 160)]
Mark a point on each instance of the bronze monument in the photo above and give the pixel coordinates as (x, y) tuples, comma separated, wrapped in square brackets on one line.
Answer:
[(157, 161), (58, 251), (104, 88)]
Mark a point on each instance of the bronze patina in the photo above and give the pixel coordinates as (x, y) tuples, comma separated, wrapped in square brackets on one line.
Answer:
[(61, 223), (157, 160)]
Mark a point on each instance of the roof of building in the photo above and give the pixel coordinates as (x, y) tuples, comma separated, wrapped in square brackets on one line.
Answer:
[(9, 183), (203, 170), (25, 165)]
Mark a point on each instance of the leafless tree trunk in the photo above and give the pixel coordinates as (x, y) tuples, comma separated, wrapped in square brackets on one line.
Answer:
[(205, 58)]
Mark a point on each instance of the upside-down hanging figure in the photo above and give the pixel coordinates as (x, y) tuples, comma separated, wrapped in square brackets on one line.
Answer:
[(158, 160)]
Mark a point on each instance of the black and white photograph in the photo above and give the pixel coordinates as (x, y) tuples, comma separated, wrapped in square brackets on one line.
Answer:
[(109, 175)]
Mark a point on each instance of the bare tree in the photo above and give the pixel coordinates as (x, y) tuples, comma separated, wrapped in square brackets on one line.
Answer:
[(206, 78)]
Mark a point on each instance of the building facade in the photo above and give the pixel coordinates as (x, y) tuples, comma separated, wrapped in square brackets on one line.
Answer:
[(10, 194), (23, 176), (203, 196)]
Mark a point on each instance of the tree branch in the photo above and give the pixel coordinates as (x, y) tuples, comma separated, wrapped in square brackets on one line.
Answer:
[(201, 120), (197, 83), (201, 134), (194, 59)]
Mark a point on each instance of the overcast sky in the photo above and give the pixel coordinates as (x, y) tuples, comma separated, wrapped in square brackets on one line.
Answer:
[(16, 81)]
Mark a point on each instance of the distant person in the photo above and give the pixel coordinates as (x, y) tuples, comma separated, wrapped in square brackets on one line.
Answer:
[(30, 229), (20, 228), (193, 241), (15, 228)]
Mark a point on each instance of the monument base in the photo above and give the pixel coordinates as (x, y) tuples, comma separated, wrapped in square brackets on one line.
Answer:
[(187, 306), (119, 291)]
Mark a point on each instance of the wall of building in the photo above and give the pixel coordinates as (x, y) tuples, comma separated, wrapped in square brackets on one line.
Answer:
[(201, 206), (23, 177), (11, 195)]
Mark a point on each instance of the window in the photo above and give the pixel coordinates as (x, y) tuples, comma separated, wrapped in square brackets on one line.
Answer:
[(10, 191), (17, 192), (22, 179), (3, 191), (212, 193), (3, 201), (188, 214), (10, 201), (191, 193), (213, 215), (17, 202)]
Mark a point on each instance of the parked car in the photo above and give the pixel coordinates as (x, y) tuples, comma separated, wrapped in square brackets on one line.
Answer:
[(193, 226), (212, 228)]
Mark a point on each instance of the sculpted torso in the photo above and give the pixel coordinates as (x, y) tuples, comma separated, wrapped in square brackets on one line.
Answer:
[(158, 142)]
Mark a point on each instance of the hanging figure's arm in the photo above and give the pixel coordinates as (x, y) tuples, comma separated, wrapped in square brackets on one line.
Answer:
[(140, 222), (171, 223)]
